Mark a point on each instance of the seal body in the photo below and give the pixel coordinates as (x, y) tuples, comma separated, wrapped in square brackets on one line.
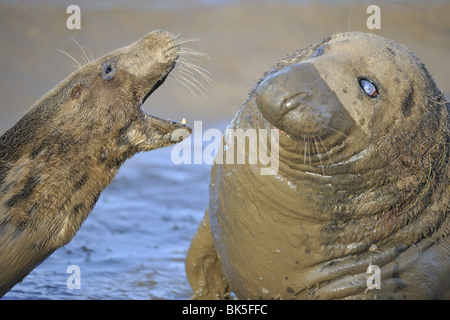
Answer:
[(57, 159), (358, 206)]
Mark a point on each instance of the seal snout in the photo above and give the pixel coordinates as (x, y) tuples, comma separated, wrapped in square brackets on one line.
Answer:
[(299, 102)]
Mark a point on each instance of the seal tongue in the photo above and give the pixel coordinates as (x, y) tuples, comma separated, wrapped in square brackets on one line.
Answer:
[(281, 131)]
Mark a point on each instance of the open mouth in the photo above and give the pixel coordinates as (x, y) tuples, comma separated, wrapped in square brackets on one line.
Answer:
[(158, 84), (155, 87)]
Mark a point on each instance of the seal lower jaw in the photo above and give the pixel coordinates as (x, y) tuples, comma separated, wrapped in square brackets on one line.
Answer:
[(308, 127), (309, 149)]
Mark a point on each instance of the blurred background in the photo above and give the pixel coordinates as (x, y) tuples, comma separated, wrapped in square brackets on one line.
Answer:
[(134, 243)]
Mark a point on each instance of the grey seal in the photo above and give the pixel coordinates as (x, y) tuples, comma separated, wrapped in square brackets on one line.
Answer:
[(363, 183), (56, 160)]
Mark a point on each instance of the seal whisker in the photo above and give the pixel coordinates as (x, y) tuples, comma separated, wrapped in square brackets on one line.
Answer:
[(192, 52), (85, 57), (306, 146), (334, 129), (192, 84), (181, 59), (320, 160), (349, 17), (187, 63), (204, 76), (190, 72), (356, 134), (184, 84), (183, 41), (320, 140), (71, 57), (91, 54), (200, 70), (177, 35), (187, 74), (309, 154), (85, 60)]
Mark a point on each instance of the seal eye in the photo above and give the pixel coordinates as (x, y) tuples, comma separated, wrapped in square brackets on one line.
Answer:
[(368, 87), (318, 52), (109, 70)]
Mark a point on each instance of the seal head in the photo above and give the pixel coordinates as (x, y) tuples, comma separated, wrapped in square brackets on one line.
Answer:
[(57, 159)]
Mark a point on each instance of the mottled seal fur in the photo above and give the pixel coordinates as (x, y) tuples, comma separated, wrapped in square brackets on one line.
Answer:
[(57, 159), (363, 180)]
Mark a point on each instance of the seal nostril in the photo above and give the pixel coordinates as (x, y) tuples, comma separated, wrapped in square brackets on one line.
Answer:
[(305, 96), (296, 100)]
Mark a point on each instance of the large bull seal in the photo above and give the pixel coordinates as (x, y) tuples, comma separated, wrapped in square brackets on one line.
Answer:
[(362, 190), (57, 159)]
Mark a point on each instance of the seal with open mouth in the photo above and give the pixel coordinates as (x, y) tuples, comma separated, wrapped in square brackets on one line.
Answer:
[(57, 159), (359, 207)]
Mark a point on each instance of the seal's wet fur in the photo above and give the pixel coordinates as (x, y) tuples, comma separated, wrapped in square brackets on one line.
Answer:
[(57, 159), (369, 188)]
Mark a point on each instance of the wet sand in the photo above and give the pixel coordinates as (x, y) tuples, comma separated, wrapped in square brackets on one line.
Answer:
[(134, 243)]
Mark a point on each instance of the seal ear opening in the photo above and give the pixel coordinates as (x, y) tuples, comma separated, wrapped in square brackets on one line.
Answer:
[(76, 92)]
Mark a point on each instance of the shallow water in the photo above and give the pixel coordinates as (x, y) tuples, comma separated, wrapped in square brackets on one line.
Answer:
[(133, 244)]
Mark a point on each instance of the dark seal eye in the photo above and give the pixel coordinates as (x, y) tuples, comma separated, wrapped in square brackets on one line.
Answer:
[(368, 87), (109, 70), (318, 52)]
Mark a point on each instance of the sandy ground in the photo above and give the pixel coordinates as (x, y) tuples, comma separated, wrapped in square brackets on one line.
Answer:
[(242, 38)]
